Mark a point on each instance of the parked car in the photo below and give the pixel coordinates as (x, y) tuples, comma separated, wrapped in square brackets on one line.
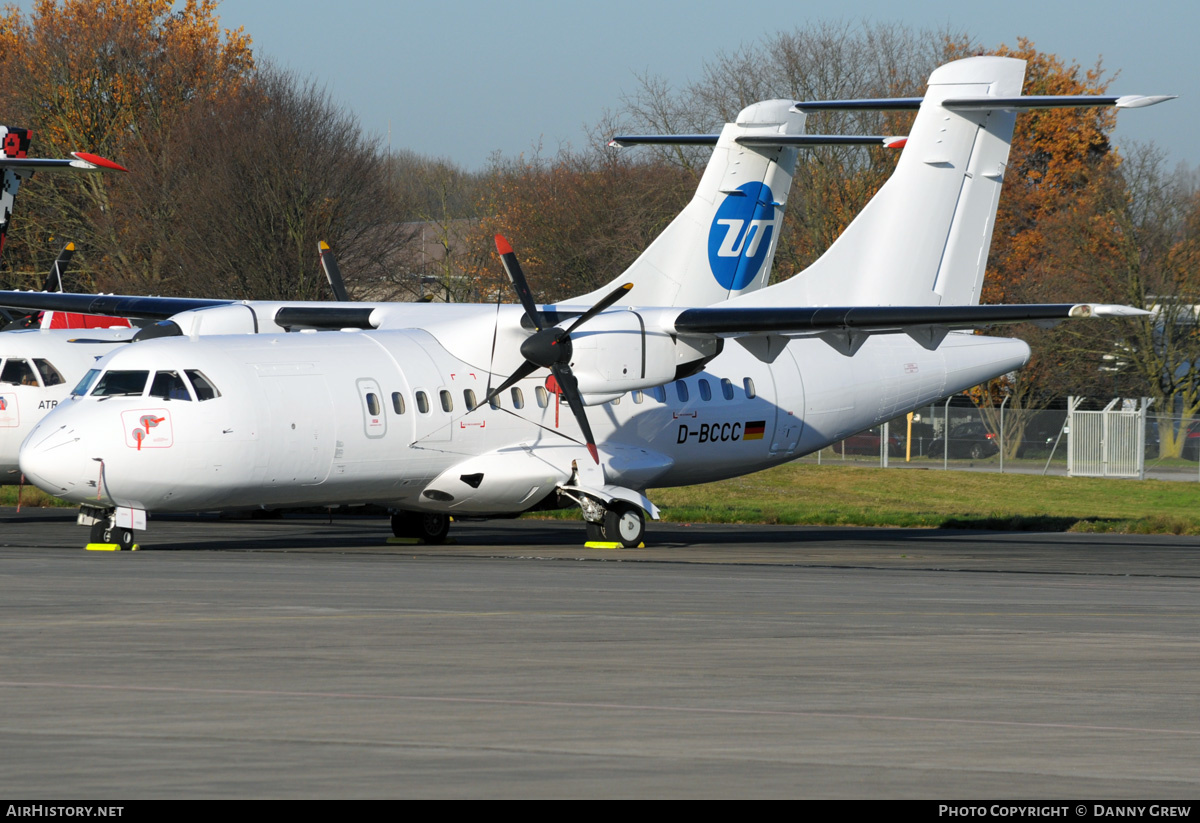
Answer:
[(973, 440), (867, 442)]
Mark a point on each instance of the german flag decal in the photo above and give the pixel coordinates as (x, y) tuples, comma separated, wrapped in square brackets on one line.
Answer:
[(753, 430)]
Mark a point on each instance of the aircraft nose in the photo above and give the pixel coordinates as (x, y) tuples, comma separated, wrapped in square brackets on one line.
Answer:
[(53, 459)]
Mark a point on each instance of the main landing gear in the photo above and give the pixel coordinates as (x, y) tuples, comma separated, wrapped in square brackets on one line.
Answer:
[(619, 522), (428, 527)]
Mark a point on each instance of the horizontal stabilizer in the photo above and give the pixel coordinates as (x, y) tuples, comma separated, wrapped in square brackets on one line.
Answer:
[(1032, 101), (763, 140), (82, 162), (735, 321)]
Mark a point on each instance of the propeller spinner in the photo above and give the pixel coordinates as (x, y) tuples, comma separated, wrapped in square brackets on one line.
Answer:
[(550, 346)]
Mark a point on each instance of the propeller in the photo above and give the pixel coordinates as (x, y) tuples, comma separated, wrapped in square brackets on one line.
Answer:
[(332, 272), (55, 279), (549, 347)]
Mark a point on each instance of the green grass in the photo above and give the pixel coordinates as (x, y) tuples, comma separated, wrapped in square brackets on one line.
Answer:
[(31, 496), (805, 494)]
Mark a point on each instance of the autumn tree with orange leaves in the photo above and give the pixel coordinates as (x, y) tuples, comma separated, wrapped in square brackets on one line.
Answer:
[(112, 77)]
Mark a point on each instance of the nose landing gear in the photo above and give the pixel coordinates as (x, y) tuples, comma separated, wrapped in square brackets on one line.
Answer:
[(105, 535)]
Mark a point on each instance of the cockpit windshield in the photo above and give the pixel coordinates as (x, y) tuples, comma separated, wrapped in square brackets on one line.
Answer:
[(169, 386), (18, 372), (117, 383), (81, 388)]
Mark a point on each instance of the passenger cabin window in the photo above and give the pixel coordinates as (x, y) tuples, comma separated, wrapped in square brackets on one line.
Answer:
[(543, 397), (50, 375), (494, 402), (422, 402), (681, 391), (705, 390), (660, 394), (169, 386), (749, 385), (726, 388), (81, 388), (469, 399), (397, 402), (18, 372), (373, 404), (616, 401), (447, 401), (203, 387), (121, 383), (518, 398), (638, 397)]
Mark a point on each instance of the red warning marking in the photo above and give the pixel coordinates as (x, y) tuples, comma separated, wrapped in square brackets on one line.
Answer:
[(137, 435)]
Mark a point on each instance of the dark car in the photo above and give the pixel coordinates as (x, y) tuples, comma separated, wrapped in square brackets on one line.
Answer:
[(868, 443), (973, 440)]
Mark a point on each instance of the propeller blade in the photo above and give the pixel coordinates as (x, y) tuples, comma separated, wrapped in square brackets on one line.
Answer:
[(613, 297), (521, 373), (569, 387), (54, 280), (513, 269), (333, 273)]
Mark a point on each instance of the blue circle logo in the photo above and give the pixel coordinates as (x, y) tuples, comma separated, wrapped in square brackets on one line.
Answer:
[(741, 234)]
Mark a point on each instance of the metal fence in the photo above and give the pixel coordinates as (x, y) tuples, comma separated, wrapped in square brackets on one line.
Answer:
[(1089, 438)]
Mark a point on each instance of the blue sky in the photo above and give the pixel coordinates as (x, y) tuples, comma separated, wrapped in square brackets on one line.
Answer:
[(462, 79)]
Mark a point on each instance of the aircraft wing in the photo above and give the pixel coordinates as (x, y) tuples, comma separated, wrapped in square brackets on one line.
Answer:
[(804, 321), (110, 305)]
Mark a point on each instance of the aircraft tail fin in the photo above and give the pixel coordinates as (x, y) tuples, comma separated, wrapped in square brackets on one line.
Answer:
[(722, 244), (923, 239), (14, 144)]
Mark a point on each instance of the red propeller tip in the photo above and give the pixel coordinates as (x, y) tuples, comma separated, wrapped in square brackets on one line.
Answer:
[(592, 451), (502, 245)]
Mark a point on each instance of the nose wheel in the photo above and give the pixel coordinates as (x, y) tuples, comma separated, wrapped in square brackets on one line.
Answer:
[(102, 532)]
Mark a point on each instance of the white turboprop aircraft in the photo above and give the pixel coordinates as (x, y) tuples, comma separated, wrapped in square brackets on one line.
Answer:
[(39, 367), (405, 406)]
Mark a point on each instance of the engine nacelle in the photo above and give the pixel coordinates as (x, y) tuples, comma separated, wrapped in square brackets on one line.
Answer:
[(617, 351), (230, 318)]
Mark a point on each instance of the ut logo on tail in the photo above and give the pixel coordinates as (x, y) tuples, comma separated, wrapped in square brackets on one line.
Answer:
[(741, 234)]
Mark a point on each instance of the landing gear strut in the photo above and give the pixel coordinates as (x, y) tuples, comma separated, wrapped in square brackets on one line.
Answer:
[(103, 530), (619, 522), (430, 527)]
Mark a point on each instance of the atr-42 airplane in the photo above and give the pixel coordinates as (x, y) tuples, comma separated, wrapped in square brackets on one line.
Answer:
[(39, 367), (676, 373)]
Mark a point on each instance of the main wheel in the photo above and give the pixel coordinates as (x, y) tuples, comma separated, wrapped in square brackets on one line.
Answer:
[(432, 527), (625, 524), (99, 532), (122, 537)]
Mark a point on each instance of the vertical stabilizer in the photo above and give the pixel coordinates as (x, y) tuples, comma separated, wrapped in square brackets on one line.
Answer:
[(723, 243), (923, 239), (14, 144)]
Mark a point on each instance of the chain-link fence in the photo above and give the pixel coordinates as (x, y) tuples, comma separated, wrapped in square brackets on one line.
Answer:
[(1116, 438)]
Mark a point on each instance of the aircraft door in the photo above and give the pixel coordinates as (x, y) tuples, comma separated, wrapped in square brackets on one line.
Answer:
[(789, 404), (302, 412)]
